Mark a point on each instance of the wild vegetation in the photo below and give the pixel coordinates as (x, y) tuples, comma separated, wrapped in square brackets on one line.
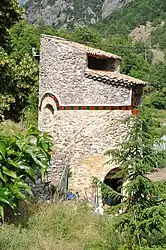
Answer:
[(65, 226), (136, 13), (60, 226), (21, 155), (143, 201)]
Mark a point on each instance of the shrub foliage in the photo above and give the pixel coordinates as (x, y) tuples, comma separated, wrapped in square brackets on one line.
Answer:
[(20, 157), (143, 203)]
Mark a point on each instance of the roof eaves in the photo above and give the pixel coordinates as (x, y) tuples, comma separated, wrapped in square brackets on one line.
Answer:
[(113, 77), (89, 50)]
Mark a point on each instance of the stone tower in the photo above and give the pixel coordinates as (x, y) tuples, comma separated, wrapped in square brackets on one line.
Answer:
[(83, 101)]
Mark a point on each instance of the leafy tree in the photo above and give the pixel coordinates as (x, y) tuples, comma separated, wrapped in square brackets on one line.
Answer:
[(133, 61), (142, 204), (86, 35), (10, 14), (81, 34), (30, 112), (157, 99), (19, 77), (157, 76), (18, 71), (157, 95), (49, 30), (158, 36), (21, 155), (24, 37)]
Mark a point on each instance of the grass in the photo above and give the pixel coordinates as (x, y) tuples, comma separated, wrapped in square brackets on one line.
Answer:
[(10, 128), (62, 226)]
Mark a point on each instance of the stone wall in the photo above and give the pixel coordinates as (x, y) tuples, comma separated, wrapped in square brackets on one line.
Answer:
[(84, 137), (62, 71), (81, 137)]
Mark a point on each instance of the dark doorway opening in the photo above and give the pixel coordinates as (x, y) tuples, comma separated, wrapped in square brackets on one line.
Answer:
[(115, 184)]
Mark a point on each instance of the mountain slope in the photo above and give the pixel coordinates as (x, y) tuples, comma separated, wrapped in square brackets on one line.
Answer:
[(109, 6), (134, 14), (63, 12), (70, 12)]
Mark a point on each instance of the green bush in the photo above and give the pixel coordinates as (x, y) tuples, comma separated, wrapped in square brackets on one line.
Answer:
[(21, 154)]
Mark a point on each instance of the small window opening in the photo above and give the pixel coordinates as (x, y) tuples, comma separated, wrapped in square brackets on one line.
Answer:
[(48, 115), (101, 63), (49, 108)]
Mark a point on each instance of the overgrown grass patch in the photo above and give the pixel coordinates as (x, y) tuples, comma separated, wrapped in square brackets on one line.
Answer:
[(60, 226)]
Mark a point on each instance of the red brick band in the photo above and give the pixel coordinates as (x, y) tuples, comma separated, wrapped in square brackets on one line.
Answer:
[(92, 107)]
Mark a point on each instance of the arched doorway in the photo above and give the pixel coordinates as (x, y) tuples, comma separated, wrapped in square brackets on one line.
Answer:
[(115, 184)]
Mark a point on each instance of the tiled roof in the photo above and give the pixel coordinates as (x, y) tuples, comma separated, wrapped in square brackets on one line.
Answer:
[(109, 76), (87, 49)]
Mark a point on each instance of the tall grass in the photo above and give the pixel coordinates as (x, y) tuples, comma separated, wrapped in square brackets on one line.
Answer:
[(9, 128), (60, 226)]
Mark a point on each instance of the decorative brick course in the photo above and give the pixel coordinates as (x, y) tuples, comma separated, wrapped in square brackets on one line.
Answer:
[(73, 107)]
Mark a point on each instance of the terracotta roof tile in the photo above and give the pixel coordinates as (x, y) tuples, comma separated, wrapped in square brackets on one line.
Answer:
[(114, 76), (87, 49)]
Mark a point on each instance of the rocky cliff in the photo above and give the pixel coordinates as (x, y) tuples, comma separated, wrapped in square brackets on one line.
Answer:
[(70, 12), (109, 6)]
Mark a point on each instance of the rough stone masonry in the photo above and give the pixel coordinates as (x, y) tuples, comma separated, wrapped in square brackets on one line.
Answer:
[(83, 102)]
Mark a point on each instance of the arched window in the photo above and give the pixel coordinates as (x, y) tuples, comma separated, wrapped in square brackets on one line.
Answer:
[(49, 108), (48, 114)]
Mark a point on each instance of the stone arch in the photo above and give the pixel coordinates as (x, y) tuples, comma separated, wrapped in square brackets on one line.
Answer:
[(115, 184), (49, 98), (47, 110)]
